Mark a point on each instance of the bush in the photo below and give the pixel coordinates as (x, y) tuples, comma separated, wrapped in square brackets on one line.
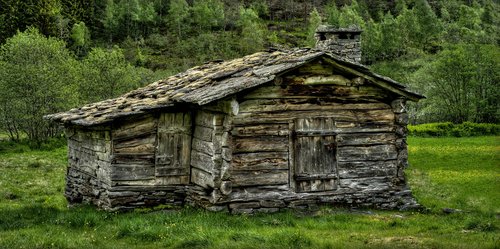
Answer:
[(465, 129)]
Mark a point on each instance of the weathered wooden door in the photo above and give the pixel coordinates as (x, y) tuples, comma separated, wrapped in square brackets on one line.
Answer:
[(315, 155), (173, 151)]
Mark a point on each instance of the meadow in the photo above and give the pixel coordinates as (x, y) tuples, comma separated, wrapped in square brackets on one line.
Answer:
[(460, 174)]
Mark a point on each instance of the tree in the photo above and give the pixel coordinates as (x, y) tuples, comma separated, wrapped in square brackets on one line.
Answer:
[(313, 22), (430, 27), (490, 21), (110, 19), (208, 14), (461, 85), (178, 14), (350, 17), (37, 77), (107, 74), (391, 36), (252, 31), (372, 47), (408, 27), (80, 35), (332, 14)]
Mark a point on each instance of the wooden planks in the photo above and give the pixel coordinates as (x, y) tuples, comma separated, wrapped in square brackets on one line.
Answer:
[(362, 153), (365, 93), (260, 144), (132, 172), (360, 169), (259, 177), (173, 153), (260, 161), (383, 116)]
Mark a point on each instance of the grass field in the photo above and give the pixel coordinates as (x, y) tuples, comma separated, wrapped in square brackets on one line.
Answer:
[(458, 173)]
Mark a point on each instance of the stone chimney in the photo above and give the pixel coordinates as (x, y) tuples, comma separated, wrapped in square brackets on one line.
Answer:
[(344, 42)]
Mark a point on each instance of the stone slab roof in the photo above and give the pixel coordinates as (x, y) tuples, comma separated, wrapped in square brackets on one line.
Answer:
[(209, 82)]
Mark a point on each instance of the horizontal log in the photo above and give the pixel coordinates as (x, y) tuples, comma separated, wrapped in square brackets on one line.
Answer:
[(365, 93), (369, 153), (261, 177), (122, 172), (139, 145), (118, 190), (203, 146), (203, 133), (385, 116), (260, 161), (258, 144), (369, 127), (133, 159), (278, 105), (261, 130), (91, 144), (136, 128), (202, 178), (202, 161), (365, 138), (172, 180), (362, 169), (169, 171), (136, 183), (372, 184), (324, 80)]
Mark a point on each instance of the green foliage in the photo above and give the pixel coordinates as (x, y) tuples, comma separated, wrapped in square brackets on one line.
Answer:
[(430, 27), (208, 14), (459, 173), (410, 40), (107, 74), (392, 45), (349, 16), (332, 14), (178, 14), (252, 31), (465, 129), (110, 18), (80, 35), (462, 85), (36, 78), (313, 23)]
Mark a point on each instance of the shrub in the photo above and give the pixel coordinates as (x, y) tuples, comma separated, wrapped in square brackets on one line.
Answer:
[(465, 129)]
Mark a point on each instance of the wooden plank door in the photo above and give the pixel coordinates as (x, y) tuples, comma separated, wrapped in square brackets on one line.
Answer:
[(315, 155), (173, 151)]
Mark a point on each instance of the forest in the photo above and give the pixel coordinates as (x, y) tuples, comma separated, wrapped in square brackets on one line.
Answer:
[(60, 54)]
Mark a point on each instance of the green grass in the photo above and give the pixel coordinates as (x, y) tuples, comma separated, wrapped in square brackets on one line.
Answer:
[(459, 173)]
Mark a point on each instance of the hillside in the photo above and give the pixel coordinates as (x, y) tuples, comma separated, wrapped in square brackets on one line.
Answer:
[(84, 51)]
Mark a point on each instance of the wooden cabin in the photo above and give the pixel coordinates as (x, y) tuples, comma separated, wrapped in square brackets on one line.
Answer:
[(271, 130)]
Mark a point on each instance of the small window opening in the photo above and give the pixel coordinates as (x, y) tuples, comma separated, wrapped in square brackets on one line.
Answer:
[(343, 36)]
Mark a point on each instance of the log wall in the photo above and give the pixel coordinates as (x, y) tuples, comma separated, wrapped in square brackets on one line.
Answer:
[(282, 132), (314, 135), (150, 160), (206, 156), (88, 173)]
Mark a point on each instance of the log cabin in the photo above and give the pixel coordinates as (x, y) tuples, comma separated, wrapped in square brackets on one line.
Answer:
[(269, 131)]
